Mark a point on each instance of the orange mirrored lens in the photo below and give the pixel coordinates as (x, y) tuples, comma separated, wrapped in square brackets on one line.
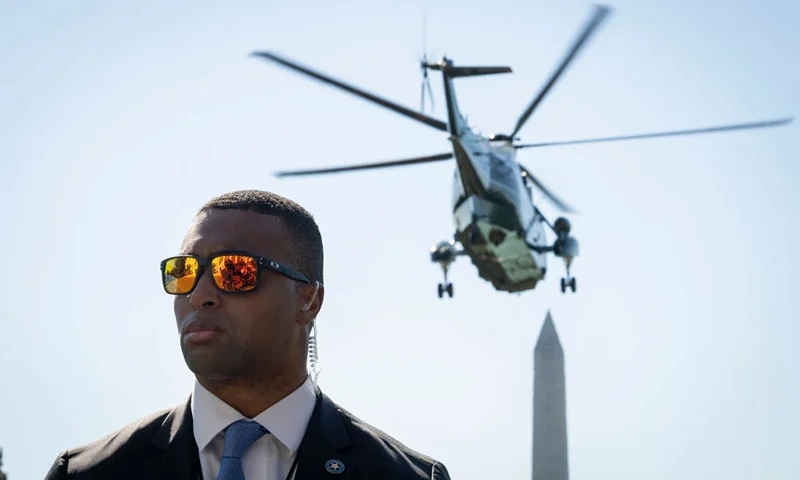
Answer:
[(180, 275), (235, 273)]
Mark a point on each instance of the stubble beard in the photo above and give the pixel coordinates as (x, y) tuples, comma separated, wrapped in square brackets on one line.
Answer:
[(232, 366)]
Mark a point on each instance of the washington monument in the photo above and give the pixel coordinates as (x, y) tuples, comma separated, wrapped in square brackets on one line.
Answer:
[(549, 407)]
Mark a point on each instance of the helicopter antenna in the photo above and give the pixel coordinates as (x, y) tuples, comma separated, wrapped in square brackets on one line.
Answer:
[(424, 66)]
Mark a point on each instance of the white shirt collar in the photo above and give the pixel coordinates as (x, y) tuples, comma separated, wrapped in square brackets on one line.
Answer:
[(286, 420)]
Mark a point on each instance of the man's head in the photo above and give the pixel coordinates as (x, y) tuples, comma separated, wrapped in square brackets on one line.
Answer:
[(261, 333)]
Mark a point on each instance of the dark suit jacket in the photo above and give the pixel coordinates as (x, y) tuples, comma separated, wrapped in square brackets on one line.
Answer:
[(162, 447)]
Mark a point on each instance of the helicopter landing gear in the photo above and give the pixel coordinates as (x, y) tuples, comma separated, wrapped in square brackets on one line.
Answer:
[(568, 281), (444, 253), (445, 287), (565, 247), (565, 283)]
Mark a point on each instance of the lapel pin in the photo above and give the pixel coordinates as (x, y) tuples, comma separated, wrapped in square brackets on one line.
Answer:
[(334, 466)]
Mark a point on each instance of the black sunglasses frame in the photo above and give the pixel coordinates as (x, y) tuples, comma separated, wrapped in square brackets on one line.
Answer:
[(204, 263)]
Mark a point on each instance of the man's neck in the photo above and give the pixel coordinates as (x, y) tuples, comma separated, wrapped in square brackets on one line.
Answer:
[(250, 397)]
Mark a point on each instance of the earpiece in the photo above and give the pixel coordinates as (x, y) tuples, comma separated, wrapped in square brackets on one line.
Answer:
[(313, 353), (307, 305)]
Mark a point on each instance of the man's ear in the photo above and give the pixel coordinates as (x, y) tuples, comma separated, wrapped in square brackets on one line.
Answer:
[(312, 296)]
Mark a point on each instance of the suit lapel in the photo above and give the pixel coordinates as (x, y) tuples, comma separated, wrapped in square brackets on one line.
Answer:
[(322, 453), (177, 457)]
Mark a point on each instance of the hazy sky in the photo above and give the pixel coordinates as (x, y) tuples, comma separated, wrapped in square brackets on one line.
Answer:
[(118, 122)]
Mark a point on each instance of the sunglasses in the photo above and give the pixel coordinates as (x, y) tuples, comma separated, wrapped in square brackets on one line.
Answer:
[(232, 272)]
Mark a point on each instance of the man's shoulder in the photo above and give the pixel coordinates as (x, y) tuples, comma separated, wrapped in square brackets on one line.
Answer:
[(385, 453), (108, 455)]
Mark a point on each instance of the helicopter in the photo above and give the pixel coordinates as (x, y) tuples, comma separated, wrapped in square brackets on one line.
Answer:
[(497, 223)]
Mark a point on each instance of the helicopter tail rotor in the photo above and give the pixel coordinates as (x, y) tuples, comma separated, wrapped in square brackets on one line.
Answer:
[(426, 84), (423, 64)]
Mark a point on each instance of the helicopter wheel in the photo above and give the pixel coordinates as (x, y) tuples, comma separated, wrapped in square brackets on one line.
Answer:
[(445, 288), (571, 283)]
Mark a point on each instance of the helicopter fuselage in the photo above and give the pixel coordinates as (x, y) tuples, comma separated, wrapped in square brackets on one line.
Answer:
[(493, 214)]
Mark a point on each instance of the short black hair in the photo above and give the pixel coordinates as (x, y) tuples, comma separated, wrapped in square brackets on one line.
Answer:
[(306, 251)]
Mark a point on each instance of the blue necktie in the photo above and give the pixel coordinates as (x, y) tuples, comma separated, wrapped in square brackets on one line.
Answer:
[(239, 436)]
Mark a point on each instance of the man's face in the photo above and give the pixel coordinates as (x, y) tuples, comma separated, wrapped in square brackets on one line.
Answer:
[(255, 334)]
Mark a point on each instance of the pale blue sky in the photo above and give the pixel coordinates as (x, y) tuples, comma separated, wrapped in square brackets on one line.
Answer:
[(117, 122)]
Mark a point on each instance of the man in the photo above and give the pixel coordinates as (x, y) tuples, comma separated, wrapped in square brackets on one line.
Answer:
[(248, 287)]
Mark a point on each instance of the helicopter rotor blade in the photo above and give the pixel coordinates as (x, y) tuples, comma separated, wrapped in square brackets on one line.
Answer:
[(739, 126), (600, 12), (366, 166), (431, 122), (562, 205), (423, 62)]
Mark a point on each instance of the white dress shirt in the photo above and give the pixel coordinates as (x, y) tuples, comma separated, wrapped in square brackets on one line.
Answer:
[(271, 456)]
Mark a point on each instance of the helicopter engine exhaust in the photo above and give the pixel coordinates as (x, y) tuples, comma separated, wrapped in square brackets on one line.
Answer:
[(443, 252), (565, 246), (562, 227)]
